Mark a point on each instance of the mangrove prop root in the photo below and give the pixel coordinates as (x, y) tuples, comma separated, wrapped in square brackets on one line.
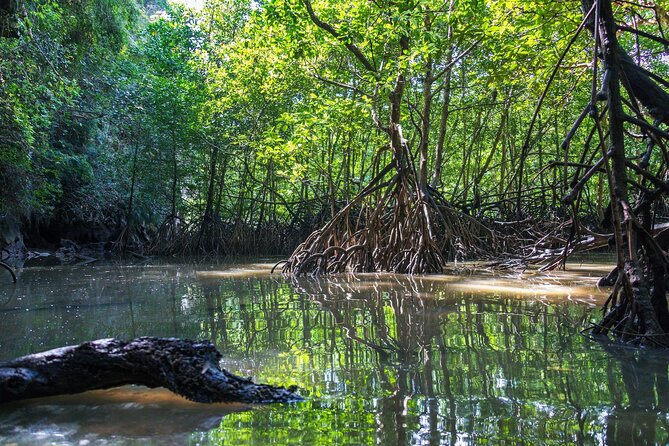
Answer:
[(187, 368), (632, 316), (636, 310), (392, 226)]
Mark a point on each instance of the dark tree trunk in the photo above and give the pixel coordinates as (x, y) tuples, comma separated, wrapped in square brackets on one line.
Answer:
[(205, 236), (175, 182), (445, 109), (129, 215), (187, 368), (423, 147), (636, 311)]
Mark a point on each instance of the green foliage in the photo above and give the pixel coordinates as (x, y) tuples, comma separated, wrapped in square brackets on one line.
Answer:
[(52, 81), (251, 111)]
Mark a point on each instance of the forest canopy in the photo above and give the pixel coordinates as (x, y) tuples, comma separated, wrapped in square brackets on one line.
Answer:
[(241, 127)]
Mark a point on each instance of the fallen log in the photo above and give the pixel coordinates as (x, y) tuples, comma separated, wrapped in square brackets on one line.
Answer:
[(187, 368)]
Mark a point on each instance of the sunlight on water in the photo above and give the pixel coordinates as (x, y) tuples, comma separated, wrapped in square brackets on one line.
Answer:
[(477, 357), (247, 270), (101, 417)]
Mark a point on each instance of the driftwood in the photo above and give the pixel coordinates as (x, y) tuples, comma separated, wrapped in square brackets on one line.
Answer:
[(187, 368)]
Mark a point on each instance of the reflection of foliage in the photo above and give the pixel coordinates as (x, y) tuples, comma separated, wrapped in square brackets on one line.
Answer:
[(384, 360), (441, 369)]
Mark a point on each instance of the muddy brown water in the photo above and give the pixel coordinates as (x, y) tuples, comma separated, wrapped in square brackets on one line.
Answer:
[(457, 359)]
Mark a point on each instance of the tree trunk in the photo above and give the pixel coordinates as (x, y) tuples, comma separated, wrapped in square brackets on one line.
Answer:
[(637, 306), (131, 198), (187, 368), (425, 115), (209, 206), (445, 109), (397, 223), (175, 182), (397, 141)]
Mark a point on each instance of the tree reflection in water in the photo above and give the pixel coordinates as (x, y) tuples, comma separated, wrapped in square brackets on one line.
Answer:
[(395, 360), (642, 418), (384, 359)]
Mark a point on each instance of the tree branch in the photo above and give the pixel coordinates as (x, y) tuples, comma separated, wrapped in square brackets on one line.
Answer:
[(333, 32)]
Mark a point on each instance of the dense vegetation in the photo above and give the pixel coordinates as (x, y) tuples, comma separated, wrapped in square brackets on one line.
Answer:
[(245, 125), (410, 133)]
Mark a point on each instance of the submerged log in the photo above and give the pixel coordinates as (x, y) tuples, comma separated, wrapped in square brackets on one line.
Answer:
[(185, 367)]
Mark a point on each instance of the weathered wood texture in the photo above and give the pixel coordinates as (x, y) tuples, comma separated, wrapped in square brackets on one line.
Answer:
[(185, 367)]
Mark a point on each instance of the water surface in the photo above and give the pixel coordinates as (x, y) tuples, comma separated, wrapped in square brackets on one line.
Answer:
[(457, 360)]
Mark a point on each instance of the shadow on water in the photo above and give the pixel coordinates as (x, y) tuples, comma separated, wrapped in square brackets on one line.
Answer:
[(643, 418), (383, 359)]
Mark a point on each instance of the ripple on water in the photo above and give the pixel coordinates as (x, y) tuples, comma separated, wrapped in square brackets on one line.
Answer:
[(473, 358)]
